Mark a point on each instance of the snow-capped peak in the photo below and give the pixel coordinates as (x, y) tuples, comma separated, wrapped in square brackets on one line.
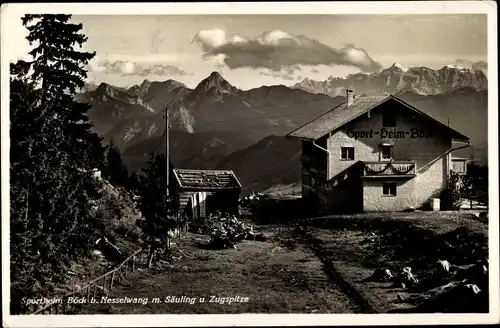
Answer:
[(455, 66), (401, 67)]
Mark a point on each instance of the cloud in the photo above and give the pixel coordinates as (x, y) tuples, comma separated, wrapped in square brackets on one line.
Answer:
[(478, 66), (277, 49), (129, 68), (284, 75)]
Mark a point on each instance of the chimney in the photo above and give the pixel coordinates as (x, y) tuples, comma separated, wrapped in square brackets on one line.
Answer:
[(349, 96)]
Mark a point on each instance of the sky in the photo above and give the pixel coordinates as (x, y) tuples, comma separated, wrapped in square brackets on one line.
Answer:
[(254, 50)]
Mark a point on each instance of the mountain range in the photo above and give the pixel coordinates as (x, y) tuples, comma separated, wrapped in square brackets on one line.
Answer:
[(217, 125), (132, 115), (397, 78)]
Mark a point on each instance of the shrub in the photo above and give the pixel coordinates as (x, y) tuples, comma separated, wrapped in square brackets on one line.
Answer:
[(203, 225), (228, 231), (116, 213)]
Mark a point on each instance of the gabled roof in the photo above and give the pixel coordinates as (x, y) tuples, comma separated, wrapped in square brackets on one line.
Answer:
[(206, 179), (341, 115)]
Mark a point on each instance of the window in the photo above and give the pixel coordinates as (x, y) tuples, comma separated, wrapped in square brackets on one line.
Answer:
[(389, 189), (347, 153), (389, 120), (458, 166), (386, 152)]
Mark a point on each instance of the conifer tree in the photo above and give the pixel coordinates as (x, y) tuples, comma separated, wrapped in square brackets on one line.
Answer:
[(115, 170), (51, 145), (133, 182), (59, 67), (157, 208)]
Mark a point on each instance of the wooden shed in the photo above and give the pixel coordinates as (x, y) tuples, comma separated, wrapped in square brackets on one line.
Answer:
[(202, 192)]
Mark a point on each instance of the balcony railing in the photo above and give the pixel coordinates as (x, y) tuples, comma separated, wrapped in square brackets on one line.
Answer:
[(389, 169)]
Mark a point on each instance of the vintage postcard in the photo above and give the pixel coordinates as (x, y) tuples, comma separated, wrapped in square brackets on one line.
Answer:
[(179, 164)]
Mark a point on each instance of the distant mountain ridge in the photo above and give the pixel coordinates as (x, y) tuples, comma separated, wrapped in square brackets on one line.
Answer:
[(110, 104), (396, 78), (201, 150), (274, 160), (214, 105)]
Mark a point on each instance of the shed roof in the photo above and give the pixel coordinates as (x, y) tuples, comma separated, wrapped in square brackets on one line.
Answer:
[(206, 179), (341, 115)]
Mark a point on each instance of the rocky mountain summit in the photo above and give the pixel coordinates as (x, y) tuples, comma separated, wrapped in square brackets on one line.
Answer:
[(397, 78)]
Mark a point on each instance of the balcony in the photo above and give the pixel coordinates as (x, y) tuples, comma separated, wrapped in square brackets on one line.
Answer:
[(389, 169)]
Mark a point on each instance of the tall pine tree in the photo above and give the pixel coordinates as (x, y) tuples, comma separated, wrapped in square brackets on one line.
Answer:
[(59, 67), (133, 182), (51, 145), (157, 208), (115, 170)]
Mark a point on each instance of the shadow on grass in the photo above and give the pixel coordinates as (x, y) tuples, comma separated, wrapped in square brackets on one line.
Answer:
[(271, 211), (400, 240)]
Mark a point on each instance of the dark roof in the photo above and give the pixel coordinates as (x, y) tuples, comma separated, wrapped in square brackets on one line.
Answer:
[(206, 179), (341, 115)]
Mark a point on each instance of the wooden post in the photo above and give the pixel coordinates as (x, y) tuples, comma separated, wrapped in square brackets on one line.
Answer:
[(88, 293), (133, 263), (112, 279), (126, 268), (95, 289), (150, 257), (103, 285)]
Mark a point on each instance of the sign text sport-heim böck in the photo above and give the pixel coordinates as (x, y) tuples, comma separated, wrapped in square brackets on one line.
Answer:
[(413, 133)]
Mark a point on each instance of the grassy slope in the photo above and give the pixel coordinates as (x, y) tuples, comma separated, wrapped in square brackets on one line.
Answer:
[(117, 214)]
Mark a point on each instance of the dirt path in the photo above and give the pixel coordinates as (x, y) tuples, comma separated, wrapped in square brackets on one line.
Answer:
[(280, 275), (336, 278)]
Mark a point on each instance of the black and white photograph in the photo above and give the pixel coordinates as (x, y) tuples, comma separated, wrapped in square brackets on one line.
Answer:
[(169, 160)]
